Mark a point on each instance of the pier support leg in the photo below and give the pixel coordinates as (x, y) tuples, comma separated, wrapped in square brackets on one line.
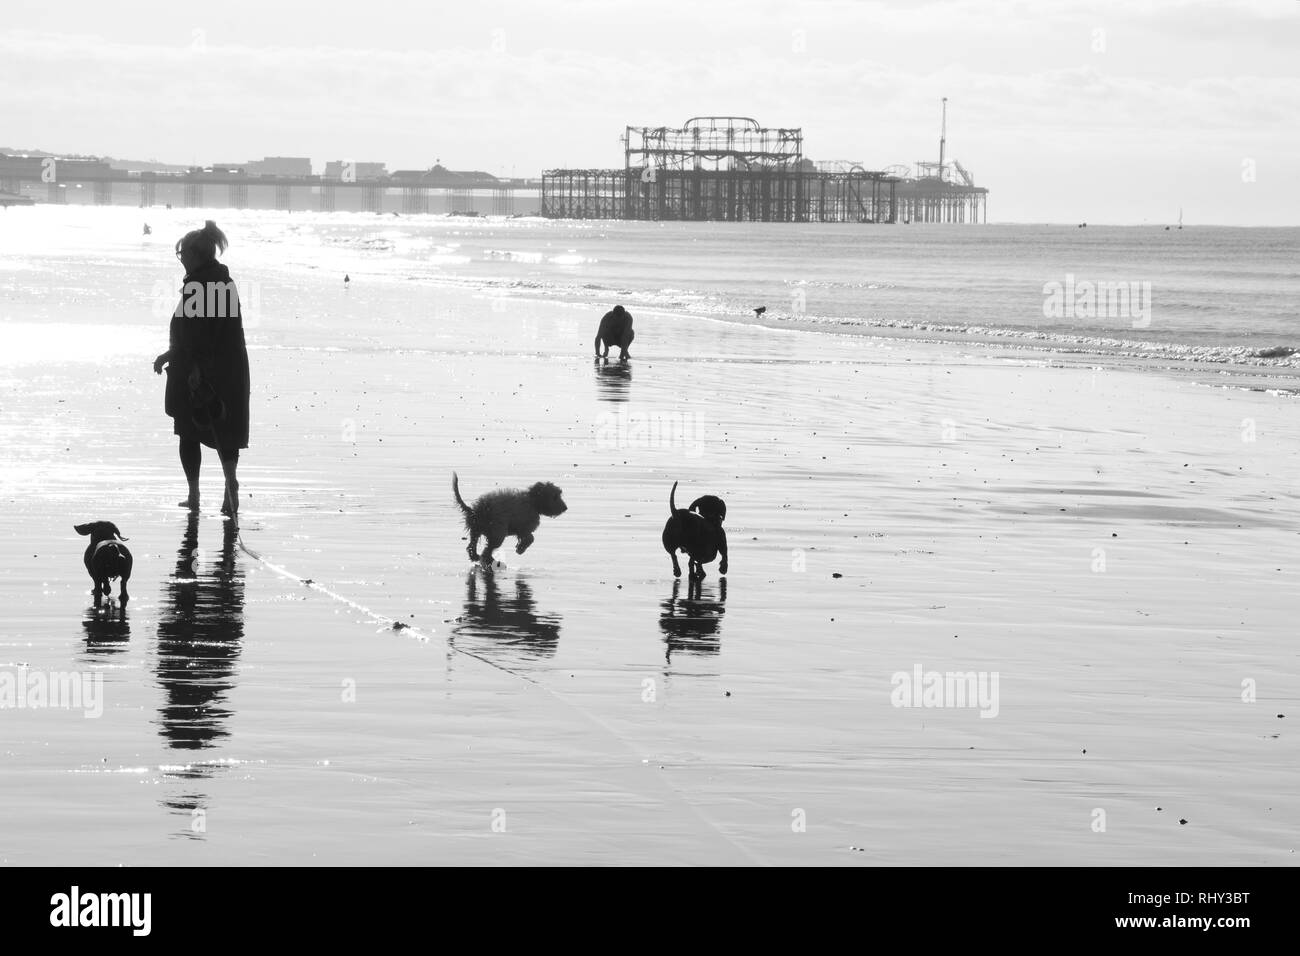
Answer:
[(415, 200)]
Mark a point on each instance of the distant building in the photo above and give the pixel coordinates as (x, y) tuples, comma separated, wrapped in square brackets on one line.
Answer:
[(279, 166), (474, 175), (25, 167), (47, 168), (410, 177), (440, 177), (341, 169)]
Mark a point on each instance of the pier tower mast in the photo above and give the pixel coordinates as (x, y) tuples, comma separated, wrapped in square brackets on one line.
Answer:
[(943, 137)]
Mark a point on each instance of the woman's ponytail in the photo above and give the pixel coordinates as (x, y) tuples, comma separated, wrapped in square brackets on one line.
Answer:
[(215, 236), (205, 242)]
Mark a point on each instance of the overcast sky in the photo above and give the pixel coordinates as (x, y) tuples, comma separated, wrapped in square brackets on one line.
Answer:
[(1067, 111)]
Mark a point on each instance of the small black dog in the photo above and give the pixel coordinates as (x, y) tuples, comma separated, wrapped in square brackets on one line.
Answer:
[(615, 329), (106, 558), (500, 514), (700, 536)]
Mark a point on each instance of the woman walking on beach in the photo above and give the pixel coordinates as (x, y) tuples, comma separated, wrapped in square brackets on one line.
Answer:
[(207, 365)]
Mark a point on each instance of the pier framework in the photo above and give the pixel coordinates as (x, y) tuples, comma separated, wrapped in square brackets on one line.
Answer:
[(732, 169), (919, 201)]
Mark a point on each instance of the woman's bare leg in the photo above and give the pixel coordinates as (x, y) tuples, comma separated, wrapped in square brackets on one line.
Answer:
[(191, 458), (229, 464)]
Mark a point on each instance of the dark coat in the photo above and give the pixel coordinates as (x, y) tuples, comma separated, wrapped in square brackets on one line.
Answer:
[(207, 333)]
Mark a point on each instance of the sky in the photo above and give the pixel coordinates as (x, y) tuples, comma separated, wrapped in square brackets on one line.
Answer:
[(1091, 110)]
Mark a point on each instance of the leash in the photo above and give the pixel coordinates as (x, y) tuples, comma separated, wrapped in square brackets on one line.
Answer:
[(390, 622), (282, 571)]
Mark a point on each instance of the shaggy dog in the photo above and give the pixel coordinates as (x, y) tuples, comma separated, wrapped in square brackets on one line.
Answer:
[(700, 536), (500, 514), (106, 558), (615, 329)]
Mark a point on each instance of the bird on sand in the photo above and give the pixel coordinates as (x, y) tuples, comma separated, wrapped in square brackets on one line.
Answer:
[(760, 310)]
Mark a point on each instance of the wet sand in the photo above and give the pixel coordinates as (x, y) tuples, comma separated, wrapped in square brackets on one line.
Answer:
[(1119, 547)]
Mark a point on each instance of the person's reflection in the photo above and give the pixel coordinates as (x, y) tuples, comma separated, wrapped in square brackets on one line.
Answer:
[(200, 628), (613, 381), (691, 624), (501, 625)]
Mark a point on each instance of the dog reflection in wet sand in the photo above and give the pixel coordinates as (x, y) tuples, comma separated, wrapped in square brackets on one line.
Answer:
[(507, 513), (504, 616), (613, 382), (691, 624), (106, 634)]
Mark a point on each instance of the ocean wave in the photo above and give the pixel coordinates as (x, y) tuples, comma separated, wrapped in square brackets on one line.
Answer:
[(363, 243), (510, 255), (709, 305), (1280, 357), (865, 284), (570, 258)]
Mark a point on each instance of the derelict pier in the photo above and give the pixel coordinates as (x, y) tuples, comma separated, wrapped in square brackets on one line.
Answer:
[(733, 169)]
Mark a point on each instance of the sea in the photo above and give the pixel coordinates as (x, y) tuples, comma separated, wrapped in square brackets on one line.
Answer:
[(1196, 296)]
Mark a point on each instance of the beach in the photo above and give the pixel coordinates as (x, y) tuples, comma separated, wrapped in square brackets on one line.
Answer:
[(1112, 548)]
